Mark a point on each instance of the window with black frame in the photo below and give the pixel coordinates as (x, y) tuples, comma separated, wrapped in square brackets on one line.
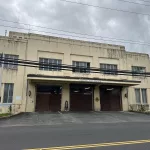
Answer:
[(81, 67), (13, 64), (49, 64), (109, 68), (8, 93), (138, 71), (138, 96), (1, 57), (144, 95)]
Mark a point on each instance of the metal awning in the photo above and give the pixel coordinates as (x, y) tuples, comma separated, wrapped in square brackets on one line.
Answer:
[(39, 77)]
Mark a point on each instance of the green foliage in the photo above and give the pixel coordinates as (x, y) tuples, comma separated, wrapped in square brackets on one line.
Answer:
[(5, 115), (10, 109), (130, 108), (142, 108)]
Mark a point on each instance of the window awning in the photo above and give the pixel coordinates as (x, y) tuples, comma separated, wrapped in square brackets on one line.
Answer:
[(39, 77)]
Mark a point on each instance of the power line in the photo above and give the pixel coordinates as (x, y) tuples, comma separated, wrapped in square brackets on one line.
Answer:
[(69, 31), (107, 8), (59, 34), (126, 1), (143, 1), (117, 40), (36, 64)]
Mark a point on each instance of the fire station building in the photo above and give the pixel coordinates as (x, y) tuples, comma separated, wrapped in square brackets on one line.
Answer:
[(51, 88)]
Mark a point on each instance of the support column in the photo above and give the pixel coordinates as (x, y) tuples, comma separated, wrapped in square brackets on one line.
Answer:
[(65, 101), (97, 106), (31, 97), (125, 100)]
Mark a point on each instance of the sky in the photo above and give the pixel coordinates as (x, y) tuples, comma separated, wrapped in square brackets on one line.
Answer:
[(96, 24)]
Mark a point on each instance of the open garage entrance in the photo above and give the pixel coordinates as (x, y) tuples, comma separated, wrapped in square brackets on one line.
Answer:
[(110, 98), (48, 98), (81, 97)]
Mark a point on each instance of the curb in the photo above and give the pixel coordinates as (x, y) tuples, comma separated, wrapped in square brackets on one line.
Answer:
[(145, 113), (10, 116)]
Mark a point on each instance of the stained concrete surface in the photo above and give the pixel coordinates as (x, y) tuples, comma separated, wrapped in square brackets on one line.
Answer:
[(58, 118)]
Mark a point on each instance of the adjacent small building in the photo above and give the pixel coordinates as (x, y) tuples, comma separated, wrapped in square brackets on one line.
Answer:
[(49, 87)]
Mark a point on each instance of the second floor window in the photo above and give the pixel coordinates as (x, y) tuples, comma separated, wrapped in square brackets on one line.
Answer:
[(82, 67), (49, 64), (1, 57), (137, 69), (109, 68), (11, 65)]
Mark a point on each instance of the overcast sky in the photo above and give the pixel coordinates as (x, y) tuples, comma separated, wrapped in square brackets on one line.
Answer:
[(60, 15)]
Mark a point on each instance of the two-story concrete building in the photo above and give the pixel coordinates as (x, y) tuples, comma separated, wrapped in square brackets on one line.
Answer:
[(51, 88)]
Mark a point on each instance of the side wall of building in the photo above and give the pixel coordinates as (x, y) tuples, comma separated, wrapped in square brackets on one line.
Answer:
[(14, 76), (143, 61)]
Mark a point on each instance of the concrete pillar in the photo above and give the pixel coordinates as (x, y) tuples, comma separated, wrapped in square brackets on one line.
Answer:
[(125, 99), (97, 99), (31, 97), (65, 97)]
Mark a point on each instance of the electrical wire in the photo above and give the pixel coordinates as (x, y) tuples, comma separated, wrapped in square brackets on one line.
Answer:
[(126, 1), (74, 36), (65, 31), (117, 40), (141, 1), (70, 68), (107, 8)]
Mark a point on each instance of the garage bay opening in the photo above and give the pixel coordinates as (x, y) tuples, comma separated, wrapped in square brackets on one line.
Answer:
[(110, 98), (81, 97), (48, 98)]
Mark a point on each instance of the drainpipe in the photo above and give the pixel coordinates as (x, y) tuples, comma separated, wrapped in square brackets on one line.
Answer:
[(25, 79), (127, 97), (1, 77)]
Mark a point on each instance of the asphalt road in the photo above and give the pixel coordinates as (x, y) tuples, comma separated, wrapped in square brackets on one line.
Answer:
[(46, 136)]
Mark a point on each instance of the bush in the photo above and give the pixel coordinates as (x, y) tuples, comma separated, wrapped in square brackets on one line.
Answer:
[(10, 109), (142, 109), (131, 108)]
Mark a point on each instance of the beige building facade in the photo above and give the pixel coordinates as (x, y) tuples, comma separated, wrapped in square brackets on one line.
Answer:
[(50, 86)]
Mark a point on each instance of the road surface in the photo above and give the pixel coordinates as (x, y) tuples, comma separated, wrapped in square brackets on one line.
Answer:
[(86, 133)]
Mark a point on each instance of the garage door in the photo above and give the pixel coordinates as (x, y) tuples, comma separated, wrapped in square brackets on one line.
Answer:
[(48, 98), (81, 98), (42, 102), (110, 98)]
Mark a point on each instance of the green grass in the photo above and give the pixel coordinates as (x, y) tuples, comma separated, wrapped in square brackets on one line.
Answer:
[(4, 115)]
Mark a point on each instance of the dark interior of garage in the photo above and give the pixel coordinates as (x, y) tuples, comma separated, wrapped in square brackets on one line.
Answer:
[(110, 98), (81, 97), (48, 98)]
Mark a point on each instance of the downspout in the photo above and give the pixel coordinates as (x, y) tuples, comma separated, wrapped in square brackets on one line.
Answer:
[(25, 80), (127, 92)]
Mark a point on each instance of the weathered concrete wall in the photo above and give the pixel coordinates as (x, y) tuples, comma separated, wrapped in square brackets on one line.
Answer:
[(18, 77), (32, 47)]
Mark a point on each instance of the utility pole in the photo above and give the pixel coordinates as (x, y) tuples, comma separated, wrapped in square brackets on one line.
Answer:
[(5, 32), (1, 74)]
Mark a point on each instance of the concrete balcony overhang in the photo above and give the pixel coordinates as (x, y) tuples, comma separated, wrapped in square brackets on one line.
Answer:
[(67, 79)]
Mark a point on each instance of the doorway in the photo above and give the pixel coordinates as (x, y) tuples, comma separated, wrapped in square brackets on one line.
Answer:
[(48, 98), (81, 97), (110, 98)]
